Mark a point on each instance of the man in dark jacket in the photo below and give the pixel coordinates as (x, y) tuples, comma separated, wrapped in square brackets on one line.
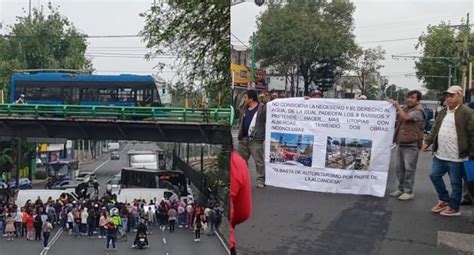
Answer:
[(252, 133), (452, 137)]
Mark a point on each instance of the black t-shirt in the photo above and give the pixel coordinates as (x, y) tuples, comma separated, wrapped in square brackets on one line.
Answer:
[(247, 120)]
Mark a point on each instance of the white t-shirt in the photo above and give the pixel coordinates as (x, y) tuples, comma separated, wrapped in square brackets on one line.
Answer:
[(448, 139)]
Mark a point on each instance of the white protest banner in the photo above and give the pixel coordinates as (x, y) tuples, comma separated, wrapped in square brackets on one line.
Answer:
[(329, 145)]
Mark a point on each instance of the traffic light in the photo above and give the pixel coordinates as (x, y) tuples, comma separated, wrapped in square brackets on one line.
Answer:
[(259, 2)]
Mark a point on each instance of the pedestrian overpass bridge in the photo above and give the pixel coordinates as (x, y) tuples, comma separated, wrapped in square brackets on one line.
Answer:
[(162, 124)]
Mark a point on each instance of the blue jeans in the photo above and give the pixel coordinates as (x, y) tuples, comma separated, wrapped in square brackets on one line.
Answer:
[(455, 172), (125, 224), (77, 230)]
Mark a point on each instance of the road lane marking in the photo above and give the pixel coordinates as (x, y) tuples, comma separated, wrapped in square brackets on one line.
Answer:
[(52, 241), (164, 240), (101, 165), (222, 242)]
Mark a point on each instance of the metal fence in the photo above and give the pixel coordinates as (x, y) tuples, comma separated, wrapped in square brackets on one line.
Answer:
[(201, 182), (219, 115)]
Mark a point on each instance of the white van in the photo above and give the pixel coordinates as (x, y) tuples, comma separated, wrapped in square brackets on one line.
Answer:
[(128, 195), (44, 194)]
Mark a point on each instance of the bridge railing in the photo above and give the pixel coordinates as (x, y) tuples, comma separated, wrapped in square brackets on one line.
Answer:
[(220, 115)]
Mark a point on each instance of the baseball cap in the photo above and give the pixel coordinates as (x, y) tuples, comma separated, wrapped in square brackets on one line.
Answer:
[(454, 90)]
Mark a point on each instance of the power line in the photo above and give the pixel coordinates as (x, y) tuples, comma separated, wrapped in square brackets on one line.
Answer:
[(127, 54), (83, 35), (239, 40), (392, 40)]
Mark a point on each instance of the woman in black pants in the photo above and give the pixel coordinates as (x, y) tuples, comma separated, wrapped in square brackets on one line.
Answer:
[(197, 228)]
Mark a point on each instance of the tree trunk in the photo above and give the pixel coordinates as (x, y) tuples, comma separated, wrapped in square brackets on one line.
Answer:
[(292, 83), (297, 85)]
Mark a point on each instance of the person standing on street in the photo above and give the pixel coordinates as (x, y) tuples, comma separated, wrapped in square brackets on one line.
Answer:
[(10, 226), (30, 226), (252, 133), (409, 138), (91, 223), (46, 229), (172, 218), (38, 225), (84, 216), (197, 228), (452, 137)]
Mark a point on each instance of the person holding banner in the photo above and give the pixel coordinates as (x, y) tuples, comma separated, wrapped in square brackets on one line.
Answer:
[(452, 137), (252, 133), (409, 138)]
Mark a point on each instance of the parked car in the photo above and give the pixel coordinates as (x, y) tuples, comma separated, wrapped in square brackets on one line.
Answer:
[(115, 155), (88, 177), (24, 183), (67, 184)]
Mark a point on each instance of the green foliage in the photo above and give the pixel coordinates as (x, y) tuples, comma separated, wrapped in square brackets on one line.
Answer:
[(367, 61), (42, 41), (431, 95), (313, 36), (198, 33), (440, 41), (6, 160)]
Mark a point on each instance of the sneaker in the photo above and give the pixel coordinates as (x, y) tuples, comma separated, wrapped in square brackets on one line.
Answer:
[(406, 196), (450, 212), (440, 206), (396, 193), (260, 185), (46, 248)]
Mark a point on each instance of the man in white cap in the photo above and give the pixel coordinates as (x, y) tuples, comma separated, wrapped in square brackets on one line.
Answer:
[(452, 137)]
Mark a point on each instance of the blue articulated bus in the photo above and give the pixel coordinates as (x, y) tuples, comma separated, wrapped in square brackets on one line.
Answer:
[(85, 89)]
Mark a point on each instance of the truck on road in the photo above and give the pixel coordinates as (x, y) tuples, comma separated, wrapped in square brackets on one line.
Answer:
[(146, 159)]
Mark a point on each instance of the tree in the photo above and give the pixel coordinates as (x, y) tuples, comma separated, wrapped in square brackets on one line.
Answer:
[(391, 92), (40, 42), (313, 36), (367, 62), (6, 160), (198, 33), (431, 95), (440, 45)]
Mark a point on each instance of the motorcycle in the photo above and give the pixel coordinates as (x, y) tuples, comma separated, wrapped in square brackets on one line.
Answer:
[(142, 241)]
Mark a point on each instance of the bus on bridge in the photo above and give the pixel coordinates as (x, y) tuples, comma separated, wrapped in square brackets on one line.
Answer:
[(85, 89)]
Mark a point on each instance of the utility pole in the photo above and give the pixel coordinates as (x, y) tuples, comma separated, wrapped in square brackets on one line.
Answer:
[(465, 57), (29, 9), (252, 66)]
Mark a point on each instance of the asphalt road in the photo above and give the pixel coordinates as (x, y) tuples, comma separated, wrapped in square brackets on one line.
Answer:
[(288, 221), (181, 242)]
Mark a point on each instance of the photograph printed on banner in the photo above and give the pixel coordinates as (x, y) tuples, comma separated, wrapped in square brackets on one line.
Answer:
[(291, 149), (348, 153)]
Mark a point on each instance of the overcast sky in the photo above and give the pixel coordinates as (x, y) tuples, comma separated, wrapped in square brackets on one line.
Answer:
[(379, 20), (104, 17), (375, 20)]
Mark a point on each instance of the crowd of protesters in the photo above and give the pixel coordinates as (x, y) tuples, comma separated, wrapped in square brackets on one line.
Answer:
[(104, 217)]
